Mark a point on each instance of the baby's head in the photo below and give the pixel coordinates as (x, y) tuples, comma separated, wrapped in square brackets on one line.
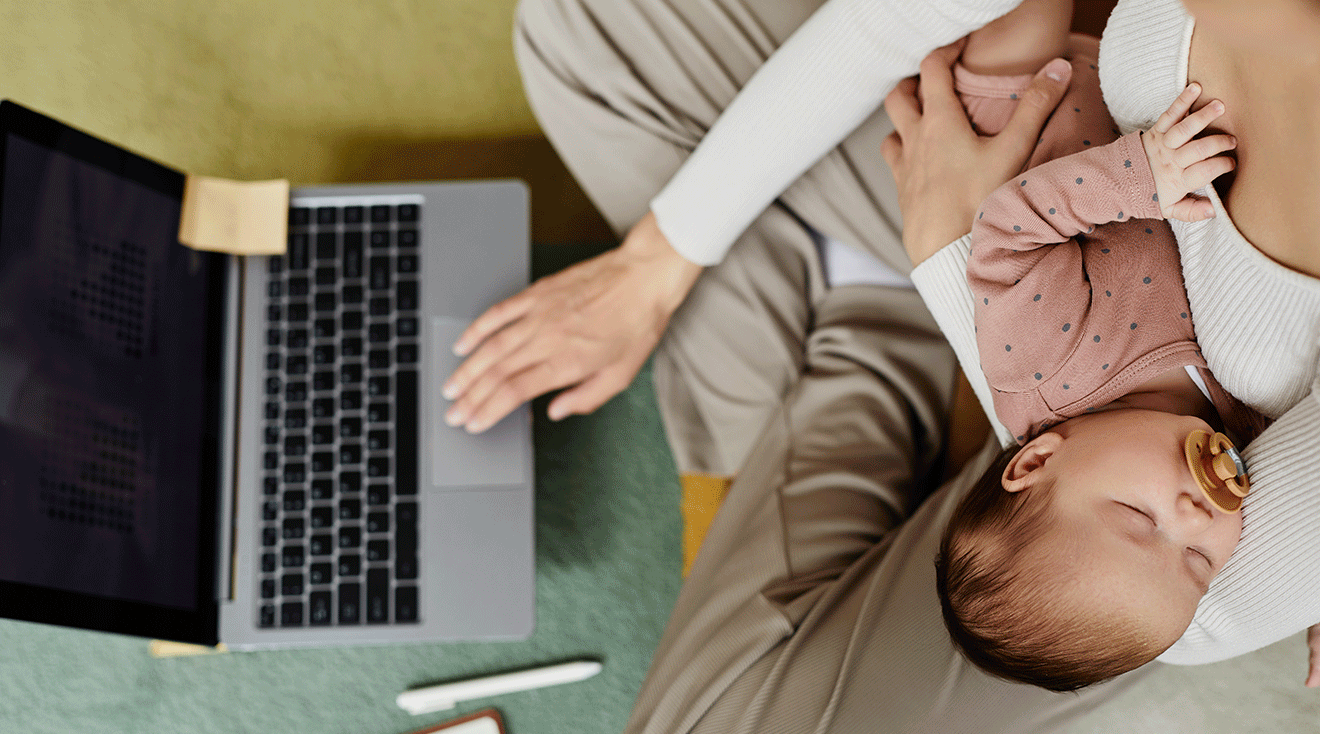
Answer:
[(1082, 554)]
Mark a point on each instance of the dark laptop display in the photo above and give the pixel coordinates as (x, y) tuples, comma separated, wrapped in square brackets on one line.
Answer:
[(109, 390)]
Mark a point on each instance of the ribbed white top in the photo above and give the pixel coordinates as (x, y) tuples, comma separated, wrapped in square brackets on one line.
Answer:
[(828, 77), (1257, 325)]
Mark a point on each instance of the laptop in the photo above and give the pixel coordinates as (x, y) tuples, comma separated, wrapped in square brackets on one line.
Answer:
[(250, 450)]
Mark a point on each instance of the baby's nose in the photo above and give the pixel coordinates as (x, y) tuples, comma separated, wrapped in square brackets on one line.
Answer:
[(1192, 513)]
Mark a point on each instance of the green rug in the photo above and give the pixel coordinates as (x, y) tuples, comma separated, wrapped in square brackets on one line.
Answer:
[(608, 562)]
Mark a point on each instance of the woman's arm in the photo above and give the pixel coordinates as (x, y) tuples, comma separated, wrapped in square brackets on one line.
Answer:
[(589, 328)]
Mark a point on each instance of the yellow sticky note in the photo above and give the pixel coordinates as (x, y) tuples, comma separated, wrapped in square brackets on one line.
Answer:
[(236, 217), (169, 649)]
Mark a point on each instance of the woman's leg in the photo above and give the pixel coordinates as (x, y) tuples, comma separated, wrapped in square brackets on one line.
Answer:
[(625, 90)]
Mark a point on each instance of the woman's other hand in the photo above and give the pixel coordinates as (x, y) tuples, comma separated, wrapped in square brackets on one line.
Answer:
[(588, 328), (1313, 642), (943, 169)]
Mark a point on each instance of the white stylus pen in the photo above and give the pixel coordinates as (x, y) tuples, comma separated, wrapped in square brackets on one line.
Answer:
[(444, 696)]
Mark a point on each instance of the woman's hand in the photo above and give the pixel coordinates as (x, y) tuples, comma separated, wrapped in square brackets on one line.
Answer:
[(944, 170), (589, 327), (1313, 642)]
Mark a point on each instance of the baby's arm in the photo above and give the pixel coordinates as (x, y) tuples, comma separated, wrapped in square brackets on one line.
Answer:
[(1022, 41)]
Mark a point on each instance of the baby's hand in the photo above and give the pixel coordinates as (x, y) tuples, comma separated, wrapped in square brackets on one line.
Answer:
[(1183, 163)]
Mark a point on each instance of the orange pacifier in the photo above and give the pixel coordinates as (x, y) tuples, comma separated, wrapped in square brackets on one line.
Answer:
[(1218, 468)]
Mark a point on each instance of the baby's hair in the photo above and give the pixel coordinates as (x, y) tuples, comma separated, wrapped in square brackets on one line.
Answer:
[(1006, 610)]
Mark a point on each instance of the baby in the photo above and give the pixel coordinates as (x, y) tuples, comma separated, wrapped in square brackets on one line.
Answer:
[(1083, 551)]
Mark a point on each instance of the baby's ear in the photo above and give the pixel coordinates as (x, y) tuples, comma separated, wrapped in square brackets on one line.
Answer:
[(1024, 470)]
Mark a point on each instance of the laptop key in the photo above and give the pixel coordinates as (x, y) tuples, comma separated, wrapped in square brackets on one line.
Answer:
[(299, 216), (352, 259), (352, 321), (295, 445), (352, 293), (326, 301), (295, 392), (273, 385), (405, 566), (324, 380), (321, 545), (273, 361), (323, 461), (407, 295), (273, 337), (295, 418), (378, 550), (270, 536), (319, 608), (268, 562), (350, 427), (298, 338), (291, 584), (408, 212), (298, 311), (350, 453), (294, 529), (324, 328), (292, 556), (321, 573), (295, 500), (299, 287), (275, 289), (351, 346), (327, 215), (406, 326), (353, 214), (275, 264), (405, 433), (350, 565), (378, 332), (274, 312), (323, 433), (350, 481), (272, 435), (350, 400), (326, 276), (350, 603), (323, 516), (323, 408), (295, 474), (268, 588), (378, 466), (380, 238), (407, 238), (406, 353), (296, 364), (379, 386), (379, 306), (378, 359), (380, 213), (299, 254), (378, 522), (378, 494), (406, 264), (350, 537), (350, 509), (267, 616), (270, 485), (350, 373), (327, 246), (271, 460), (270, 511), (378, 440), (322, 489), (272, 411), (405, 604), (291, 614), (378, 595), (379, 269)]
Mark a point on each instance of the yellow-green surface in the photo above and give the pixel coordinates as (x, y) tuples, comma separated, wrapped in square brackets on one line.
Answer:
[(255, 88)]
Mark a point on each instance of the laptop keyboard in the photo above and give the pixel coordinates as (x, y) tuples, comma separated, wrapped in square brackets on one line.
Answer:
[(339, 512)]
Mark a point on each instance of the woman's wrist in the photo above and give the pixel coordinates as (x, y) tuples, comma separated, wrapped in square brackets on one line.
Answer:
[(672, 275)]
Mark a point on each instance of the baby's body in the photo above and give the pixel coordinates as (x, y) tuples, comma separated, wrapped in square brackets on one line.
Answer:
[(1086, 339)]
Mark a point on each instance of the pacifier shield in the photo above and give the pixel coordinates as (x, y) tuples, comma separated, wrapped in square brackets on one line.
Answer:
[(1217, 469)]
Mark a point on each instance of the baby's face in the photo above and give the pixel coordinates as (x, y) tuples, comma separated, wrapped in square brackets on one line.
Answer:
[(1131, 524)]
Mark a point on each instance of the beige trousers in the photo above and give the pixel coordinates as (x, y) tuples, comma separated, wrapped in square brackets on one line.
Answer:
[(811, 606)]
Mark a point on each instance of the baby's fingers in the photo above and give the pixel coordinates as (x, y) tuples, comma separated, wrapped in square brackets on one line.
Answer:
[(1202, 149), (1190, 209), (1194, 123), (1201, 174), (1179, 108)]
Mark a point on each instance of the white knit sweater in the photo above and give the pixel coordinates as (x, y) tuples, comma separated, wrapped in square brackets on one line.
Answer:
[(1257, 324), (836, 69)]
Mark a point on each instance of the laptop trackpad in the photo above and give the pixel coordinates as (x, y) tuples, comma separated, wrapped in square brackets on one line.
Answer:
[(458, 458)]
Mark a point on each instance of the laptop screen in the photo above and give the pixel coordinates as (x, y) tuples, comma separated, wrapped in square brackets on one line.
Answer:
[(110, 353)]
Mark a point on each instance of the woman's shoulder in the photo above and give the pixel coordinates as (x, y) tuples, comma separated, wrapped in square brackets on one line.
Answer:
[(1143, 60)]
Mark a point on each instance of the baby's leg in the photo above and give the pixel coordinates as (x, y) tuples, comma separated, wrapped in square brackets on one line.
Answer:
[(1022, 41)]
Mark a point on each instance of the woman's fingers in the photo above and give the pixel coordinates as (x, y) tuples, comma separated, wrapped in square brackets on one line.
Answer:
[(593, 392), (1035, 106), (936, 83), (507, 353), (1313, 642), (1178, 135), (494, 319), (902, 106), (1181, 104)]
